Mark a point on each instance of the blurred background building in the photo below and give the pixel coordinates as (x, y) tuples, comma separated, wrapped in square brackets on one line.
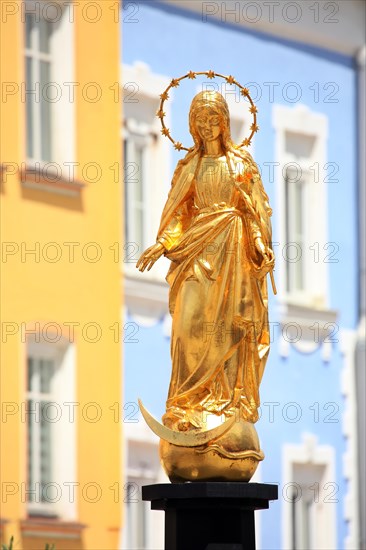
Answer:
[(74, 453), (61, 287), (304, 66)]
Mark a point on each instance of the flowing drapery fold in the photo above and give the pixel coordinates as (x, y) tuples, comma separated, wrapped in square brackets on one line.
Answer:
[(218, 299)]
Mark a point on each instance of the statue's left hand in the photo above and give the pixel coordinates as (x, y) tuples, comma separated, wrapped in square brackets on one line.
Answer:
[(149, 256), (269, 255), (267, 261), (265, 251)]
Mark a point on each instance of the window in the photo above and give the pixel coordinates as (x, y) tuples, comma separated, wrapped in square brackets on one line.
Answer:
[(304, 500), (50, 419), (297, 178), (146, 156), (49, 91), (38, 75), (303, 254), (40, 396), (310, 496), (301, 207), (295, 189), (136, 515), (136, 190), (143, 528)]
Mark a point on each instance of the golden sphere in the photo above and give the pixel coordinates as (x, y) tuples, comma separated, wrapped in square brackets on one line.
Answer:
[(232, 457)]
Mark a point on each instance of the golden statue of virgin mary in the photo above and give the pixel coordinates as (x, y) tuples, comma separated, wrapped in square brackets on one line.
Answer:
[(216, 230)]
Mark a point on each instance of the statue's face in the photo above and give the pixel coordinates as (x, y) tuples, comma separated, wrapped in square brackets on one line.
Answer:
[(208, 124)]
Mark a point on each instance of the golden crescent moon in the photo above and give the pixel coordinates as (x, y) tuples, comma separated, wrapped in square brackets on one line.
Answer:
[(185, 439)]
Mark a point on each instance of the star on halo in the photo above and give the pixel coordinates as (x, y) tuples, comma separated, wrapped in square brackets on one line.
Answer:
[(244, 91)]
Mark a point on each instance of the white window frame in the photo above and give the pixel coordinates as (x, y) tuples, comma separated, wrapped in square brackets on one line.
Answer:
[(62, 73), (300, 120), (141, 99), (304, 520), (348, 342), (34, 417), (136, 137), (63, 428), (291, 267), (324, 511), (142, 467), (33, 52), (137, 514)]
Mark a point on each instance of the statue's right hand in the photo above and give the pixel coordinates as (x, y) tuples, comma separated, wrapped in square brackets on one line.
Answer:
[(149, 256)]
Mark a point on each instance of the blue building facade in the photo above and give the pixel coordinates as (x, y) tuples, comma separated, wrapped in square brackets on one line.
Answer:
[(306, 149)]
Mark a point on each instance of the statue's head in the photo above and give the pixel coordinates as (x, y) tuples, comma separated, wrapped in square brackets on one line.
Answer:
[(209, 118)]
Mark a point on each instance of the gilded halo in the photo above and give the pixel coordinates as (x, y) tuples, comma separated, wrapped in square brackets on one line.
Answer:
[(174, 83)]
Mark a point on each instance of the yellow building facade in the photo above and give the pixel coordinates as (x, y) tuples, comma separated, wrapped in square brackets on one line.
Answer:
[(61, 282)]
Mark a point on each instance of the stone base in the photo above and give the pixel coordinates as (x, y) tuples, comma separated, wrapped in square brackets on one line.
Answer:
[(210, 516)]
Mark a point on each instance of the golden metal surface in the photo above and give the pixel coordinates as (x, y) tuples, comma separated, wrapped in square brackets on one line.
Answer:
[(216, 230), (185, 439), (175, 82), (222, 460)]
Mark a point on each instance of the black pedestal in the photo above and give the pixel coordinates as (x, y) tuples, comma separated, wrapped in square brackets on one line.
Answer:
[(210, 515)]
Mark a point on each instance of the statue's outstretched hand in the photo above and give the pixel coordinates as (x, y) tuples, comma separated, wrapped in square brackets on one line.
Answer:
[(149, 256)]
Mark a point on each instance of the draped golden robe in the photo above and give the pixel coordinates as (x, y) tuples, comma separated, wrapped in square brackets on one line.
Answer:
[(218, 290)]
